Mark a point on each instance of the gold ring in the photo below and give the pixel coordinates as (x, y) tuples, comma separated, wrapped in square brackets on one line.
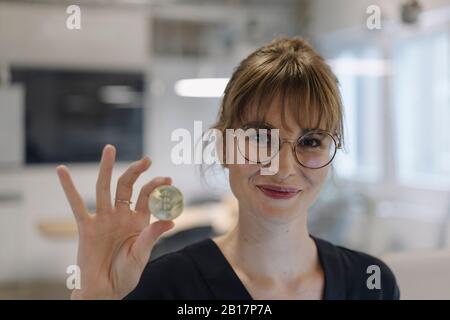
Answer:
[(124, 201)]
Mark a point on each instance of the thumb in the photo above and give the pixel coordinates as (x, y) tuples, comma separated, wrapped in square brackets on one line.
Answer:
[(145, 241)]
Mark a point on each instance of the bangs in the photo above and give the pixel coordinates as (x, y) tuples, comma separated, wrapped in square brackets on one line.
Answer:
[(309, 96)]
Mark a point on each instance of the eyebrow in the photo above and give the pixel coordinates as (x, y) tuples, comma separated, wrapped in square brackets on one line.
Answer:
[(267, 124)]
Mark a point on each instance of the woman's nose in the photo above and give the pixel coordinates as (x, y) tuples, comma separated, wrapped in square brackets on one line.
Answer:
[(286, 162)]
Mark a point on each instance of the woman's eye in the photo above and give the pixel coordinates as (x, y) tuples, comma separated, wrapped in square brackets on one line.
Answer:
[(310, 142), (260, 139), (263, 138)]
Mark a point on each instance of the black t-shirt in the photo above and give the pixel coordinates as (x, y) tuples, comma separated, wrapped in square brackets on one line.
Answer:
[(201, 271)]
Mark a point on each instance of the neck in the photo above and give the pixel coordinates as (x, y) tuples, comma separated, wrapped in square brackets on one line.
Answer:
[(279, 251)]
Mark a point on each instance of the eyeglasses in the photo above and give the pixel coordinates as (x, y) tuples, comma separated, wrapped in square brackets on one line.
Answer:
[(261, 144)]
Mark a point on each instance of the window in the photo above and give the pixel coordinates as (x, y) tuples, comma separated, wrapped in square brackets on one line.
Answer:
[(360, 73), (421, 102)]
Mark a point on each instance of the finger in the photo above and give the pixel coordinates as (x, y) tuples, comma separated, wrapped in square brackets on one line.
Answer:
[(103, 187), (143, 246), (76, 202), (126, 181), (142, 202)]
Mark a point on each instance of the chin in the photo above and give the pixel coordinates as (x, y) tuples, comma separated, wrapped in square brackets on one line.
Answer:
[(276, 210), (276, 215)]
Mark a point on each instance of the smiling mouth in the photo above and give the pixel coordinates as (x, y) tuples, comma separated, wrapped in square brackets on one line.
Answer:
[(277, 192)]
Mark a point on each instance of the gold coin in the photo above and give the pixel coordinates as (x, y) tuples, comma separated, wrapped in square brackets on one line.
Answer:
[(166, 202)]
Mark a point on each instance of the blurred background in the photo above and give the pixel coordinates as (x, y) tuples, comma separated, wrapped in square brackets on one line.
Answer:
[(65, 93)]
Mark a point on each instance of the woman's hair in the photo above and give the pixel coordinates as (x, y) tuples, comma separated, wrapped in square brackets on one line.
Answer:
[(291, 71)]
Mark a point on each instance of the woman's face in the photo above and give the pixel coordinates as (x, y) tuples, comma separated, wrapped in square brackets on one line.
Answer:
[(253, 190)]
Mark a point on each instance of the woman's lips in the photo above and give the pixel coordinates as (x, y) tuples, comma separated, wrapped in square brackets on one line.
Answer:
[(277, 192)]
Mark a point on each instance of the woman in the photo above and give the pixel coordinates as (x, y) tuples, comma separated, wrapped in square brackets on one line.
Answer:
[(284, 85)]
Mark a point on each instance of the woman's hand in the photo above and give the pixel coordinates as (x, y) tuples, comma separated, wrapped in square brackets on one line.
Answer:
[(114, 243)]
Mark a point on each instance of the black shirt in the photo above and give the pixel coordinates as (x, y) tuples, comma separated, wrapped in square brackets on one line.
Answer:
[(201, 271)]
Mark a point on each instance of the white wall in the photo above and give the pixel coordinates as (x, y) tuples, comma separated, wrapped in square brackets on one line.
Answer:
[(108, 38), (11, 125)]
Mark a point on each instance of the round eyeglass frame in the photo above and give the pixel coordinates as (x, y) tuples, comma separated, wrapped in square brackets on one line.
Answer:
[(291, 141)]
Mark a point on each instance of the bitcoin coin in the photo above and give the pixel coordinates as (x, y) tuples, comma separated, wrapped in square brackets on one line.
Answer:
[(166, 202)]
